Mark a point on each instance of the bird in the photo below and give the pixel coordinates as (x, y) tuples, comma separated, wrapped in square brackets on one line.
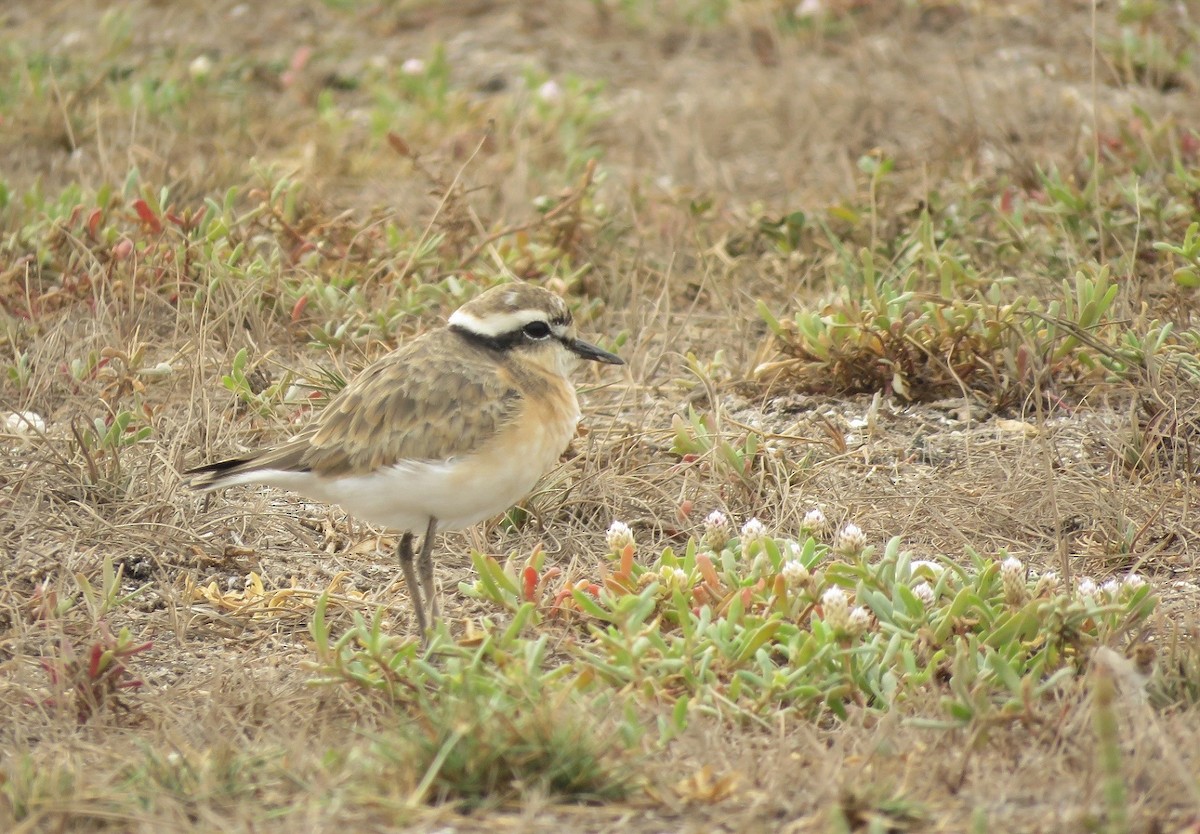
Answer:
[(449, 429)]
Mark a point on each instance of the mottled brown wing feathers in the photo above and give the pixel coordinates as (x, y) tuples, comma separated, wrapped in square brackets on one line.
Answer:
[(436, 398)]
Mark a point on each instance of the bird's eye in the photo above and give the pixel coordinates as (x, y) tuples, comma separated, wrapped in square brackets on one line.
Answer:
[(537, 330)]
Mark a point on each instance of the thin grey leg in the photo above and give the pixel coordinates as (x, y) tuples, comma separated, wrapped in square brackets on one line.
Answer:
[(425, 568), (404, 551)]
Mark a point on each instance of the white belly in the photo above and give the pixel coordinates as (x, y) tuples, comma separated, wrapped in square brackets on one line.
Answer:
[(458, 492)]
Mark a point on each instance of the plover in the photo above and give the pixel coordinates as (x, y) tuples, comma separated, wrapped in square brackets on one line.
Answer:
[(450, 429)]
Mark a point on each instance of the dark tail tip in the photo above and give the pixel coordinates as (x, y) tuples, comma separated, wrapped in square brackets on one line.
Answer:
[(211, 475)]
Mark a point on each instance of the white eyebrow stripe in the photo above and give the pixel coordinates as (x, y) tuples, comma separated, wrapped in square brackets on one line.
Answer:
[(495, 324)]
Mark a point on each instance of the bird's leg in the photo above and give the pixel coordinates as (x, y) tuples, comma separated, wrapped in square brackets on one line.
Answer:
[(404, 551), (425, 568)]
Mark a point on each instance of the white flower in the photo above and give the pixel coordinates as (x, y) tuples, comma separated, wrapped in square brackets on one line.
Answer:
[(619, 537), (753, 531), (815, 523), (923, 592), (1110, 590), (1048, 583), (836, 609), (717, 530), (550, 91), (850, 540), (858, 622), (794, 573), (413, 66), (1133, 582), (1086, 588), (1012, 579), (671, 578), (200, 67), (1012, 566)]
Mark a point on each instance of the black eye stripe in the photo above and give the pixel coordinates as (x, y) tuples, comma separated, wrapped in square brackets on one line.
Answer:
[(505, 341)]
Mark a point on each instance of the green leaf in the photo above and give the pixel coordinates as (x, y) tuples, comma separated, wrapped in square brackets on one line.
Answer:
[(525, 613), (1004, 671), (588, 605), (754, 639), (1186, 277)]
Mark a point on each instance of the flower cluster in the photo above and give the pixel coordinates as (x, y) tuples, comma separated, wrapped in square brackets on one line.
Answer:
[(814, 523), (1048, 584), (1111, 590), (795, 574), (836, 608), (860, 621), (924, 592), (1132, 583), (850, 540), (672, 579), (619, 537), (753, 532), (1012, 579), (717, 530), (838, 615)]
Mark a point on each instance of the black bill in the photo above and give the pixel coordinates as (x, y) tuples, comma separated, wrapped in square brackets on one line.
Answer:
[(586, 350)]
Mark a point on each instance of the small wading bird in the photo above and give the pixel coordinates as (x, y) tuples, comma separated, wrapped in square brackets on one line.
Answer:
[(448, 430)]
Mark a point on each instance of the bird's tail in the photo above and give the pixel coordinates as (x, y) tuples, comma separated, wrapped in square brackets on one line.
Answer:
[(216, 475)]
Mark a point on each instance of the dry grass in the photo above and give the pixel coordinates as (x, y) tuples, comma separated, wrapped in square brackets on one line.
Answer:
[(370, 204)]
